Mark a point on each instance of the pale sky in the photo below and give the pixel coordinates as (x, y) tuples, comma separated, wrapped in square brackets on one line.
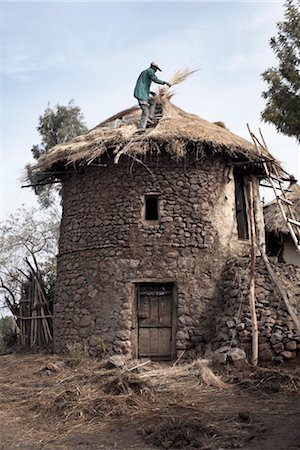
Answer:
[(94, 51)]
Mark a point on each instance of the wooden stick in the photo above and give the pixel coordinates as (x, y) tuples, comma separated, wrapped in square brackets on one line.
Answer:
[(179, 357), (138, 365), (244, 163), (34, 317), (39, 184), (46, 328), (281, 290), (21, 327), (270, 174), (254, 358)]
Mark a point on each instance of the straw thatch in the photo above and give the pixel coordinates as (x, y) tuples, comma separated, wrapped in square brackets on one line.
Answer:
[(274, 221), (177, 132)]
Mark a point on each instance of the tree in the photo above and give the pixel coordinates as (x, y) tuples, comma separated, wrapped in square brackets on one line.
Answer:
[(283, 95), (8, 333), (56, 125), (29, 238)]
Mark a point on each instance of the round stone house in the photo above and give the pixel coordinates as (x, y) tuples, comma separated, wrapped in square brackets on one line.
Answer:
[(149, 221)]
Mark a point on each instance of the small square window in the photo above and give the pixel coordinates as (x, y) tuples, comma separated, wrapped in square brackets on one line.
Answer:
[(151, 207)]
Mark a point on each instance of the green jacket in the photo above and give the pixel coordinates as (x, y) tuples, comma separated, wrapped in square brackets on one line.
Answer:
[(142, 87)]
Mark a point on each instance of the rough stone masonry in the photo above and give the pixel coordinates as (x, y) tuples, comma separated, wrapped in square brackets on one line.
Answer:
[(278, 337), (107, 248)]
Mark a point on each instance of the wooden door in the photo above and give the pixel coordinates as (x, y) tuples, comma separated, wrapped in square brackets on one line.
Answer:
[(155, 314)]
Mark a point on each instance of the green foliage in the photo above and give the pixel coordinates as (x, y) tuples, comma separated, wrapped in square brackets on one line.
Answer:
[(100, 348), (283, 94), (57, 125), (77, 353), (8, 334)]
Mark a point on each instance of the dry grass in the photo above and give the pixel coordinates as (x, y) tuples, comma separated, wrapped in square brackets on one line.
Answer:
[(191, 374), (177, 128), (179, 76), (95, 392), (200, 433), (269, 381), (185, 403)]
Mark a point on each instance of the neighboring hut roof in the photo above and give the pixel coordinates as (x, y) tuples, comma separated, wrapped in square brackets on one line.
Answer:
[(174, 131), (274, 221)]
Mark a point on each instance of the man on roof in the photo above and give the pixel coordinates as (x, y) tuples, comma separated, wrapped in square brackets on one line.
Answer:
[(142, 93)]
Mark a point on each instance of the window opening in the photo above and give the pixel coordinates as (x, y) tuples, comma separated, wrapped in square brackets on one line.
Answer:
[(275, 245), (241, 207), (151, 207)]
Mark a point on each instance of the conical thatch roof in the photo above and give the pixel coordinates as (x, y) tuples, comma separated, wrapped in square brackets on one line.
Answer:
[(173, 132), (274, 221)]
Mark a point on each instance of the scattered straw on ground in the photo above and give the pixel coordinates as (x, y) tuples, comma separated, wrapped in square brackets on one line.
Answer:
[(183, 402), (269, 381)]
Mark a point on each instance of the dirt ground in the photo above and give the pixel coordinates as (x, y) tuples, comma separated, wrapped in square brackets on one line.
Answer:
[(155, 406)]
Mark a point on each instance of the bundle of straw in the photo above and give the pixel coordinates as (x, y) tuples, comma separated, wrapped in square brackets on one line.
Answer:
[(178, 77)]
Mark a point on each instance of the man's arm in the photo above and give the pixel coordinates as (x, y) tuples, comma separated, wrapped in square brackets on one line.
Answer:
[(157, 80)]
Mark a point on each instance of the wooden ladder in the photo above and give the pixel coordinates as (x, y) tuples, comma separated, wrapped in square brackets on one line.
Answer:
[(276, 181)]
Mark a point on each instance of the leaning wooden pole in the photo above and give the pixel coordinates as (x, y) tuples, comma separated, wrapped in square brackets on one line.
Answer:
[(254, 358)]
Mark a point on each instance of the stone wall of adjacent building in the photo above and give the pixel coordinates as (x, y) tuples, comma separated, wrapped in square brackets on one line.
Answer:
[(107, 247), (278, 337)]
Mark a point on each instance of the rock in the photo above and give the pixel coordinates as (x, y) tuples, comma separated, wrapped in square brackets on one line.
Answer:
[(182, 335), (123, 335), (84, 331), (197, 339), (275, 338), (61, 364), (240, 326), (270, 321), (236, 354), (291, 345), (219, 358), (116, 361), (278, 359), (184, 344), (288, 355), (265, 352), (223, 349), (50, 367), (230, 323), (291, 325), (94, 340), (244, 334), (278, 348), (85, 321), (222, 337)]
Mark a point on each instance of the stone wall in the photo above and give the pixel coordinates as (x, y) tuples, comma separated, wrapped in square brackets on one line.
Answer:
[(107, 247), (278, 338)]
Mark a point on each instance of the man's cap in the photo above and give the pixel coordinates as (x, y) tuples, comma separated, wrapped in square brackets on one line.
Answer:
[(154, 64)]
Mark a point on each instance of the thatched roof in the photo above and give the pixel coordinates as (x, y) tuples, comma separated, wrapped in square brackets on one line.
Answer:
[(173, 132), (274, 221)]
